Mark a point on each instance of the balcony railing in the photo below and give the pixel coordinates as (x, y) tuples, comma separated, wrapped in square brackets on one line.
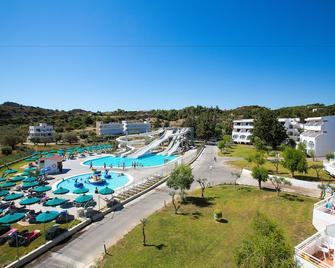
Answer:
[(306, 250)]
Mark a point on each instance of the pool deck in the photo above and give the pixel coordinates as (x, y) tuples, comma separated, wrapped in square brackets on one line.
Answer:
[(74, 167)]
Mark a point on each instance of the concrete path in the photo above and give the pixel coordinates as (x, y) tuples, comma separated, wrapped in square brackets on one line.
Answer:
[(85, 248), (298, 186)]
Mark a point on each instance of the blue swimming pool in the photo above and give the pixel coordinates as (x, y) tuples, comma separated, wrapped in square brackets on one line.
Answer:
[(116, 181), (150, 160)]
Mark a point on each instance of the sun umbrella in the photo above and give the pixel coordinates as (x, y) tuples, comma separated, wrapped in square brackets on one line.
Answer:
[(29, 201), (28, 169), (80, 190), (2, 179), (106, 191), (3, 193), (10, 171), (30, 179), (12, 218), (47, 216), (16, 179), (42, 189), (55, 202), (26, 174), (83, 198), (7, 184), (61, 190), (12, 196), (30, 184)]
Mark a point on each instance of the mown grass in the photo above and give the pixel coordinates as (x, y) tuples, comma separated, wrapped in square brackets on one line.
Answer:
[(245, 151), (309, 176), (9, 254), (194, 239), (239, 150)]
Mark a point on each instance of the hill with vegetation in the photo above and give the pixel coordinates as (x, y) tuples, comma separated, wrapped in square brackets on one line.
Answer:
[(207, 121)]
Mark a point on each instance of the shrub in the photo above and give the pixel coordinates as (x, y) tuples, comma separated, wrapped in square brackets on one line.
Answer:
[(6, 150)]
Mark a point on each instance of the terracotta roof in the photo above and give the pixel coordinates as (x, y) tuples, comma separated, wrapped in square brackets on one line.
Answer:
[(53, 158)]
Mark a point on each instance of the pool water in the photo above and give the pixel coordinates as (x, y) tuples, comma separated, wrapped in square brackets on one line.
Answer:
[(150, 160), (116, 181)]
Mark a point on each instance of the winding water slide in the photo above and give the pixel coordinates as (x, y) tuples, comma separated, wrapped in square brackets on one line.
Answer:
[(167, 135)]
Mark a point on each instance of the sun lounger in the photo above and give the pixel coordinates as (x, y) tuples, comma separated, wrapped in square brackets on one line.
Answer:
[(4, 237)]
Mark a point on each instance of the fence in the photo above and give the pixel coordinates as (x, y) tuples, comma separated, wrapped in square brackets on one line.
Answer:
[(166, 170)]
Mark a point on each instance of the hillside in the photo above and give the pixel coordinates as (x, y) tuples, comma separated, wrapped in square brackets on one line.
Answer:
[(207, 121)]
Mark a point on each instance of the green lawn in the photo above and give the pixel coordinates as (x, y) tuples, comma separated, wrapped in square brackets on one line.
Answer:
[(239, 150), (194, 239), (8, 254), (309, 176)]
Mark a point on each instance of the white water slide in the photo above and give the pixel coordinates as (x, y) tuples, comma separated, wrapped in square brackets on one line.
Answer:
[(178, 141), (167, 135), (170, 144)]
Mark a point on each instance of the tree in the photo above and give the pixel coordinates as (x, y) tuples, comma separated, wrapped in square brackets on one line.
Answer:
[(266, 246), (58, 137), (47, 140), (258, 143), (257, 158), (278, 182), (236, 175), (330, 156), (175, 205), (294, 160), (70, 138), (144, 223), (317, 168), (312, 154), (225, 143), (261, 174), (268, 129), (203, 184), (11, 139), (6, 150), (181, 179), (276, 162), (323, 187)]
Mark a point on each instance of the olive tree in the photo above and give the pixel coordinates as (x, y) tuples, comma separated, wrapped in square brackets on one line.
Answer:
[(278, 182)]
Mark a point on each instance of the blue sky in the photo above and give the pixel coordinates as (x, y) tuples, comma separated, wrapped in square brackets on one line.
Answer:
[(109, 54)]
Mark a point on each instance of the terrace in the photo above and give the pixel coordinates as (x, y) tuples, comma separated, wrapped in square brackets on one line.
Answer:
[(317, 250), (324, 213)]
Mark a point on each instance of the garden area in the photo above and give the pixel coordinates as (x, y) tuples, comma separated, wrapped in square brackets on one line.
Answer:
[(245, 152), (10, 254), (192, 238)]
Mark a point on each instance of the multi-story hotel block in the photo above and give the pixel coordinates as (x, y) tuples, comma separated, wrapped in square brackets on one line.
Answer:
[(319, 135), (293, 127), (123, 128), (43, 132), (242, 129)]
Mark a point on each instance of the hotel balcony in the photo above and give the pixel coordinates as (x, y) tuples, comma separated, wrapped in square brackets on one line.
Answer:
[(317, 250), (324, 213), (313, 126)]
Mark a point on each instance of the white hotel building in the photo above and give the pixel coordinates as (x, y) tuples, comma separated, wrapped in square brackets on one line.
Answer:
[(319, 135), (124, 128), (242, 129), (42, 131)]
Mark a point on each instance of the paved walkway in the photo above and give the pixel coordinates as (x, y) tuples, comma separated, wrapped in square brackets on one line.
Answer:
[(297, 187), (84, 249)]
